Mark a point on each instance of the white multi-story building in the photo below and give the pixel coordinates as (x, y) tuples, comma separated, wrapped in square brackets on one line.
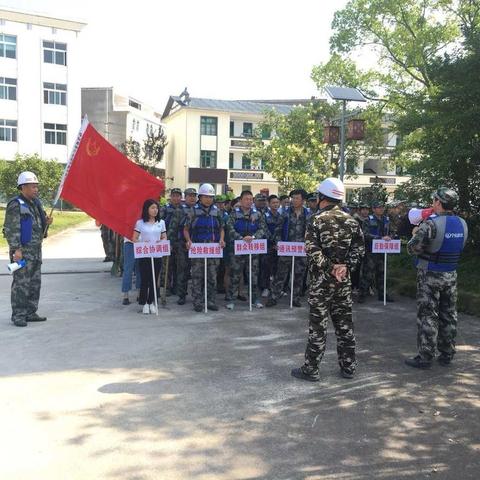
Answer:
[(119, 117), (39, 84)]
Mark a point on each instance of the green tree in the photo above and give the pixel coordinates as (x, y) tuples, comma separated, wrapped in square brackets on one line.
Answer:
[(49, 173), (132, 149)]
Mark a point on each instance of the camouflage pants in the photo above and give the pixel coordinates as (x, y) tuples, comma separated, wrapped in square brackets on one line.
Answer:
[(239, 263), (284, 267), (198, 280), (329, 298), (26, 289), (183, 269), (436, 313), (372, 267), (268, 268)]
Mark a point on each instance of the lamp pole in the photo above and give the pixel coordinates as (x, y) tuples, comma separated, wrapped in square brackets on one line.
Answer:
[(342, 141)]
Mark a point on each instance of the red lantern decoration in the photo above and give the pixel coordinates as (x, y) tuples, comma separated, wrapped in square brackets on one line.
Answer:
[(331, 135), (356, 130)]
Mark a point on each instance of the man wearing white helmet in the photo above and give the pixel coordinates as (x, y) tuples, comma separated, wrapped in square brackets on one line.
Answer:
[(24, 228), (204, 225), (334, 244)]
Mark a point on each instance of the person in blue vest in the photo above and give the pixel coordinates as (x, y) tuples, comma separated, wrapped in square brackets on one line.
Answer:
[(24, 228), (376, 227), (204, 224), (245, 223), (291, 228), (171, 214), (437, 244)]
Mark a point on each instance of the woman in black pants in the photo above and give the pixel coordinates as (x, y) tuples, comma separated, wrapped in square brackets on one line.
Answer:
[(149, 229)]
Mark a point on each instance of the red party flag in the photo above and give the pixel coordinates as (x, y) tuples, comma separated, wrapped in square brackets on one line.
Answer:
[(104, 183)]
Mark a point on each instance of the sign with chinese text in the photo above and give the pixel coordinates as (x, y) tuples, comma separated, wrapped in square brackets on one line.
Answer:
[(386, 246), (254, 247), (205, 250), (151, 249), (291, 249)]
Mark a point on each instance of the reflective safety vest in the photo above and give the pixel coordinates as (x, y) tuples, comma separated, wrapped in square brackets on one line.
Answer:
[(246, 224), (378, 227), (286, 222), (205, 226), (272, 221), (443, 251), (26, 219)]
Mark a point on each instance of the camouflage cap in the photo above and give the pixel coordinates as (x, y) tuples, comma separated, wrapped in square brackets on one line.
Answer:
[(312, 196), (260, 196), (378, 204), (190, 191), (175, 190), (220, 198)]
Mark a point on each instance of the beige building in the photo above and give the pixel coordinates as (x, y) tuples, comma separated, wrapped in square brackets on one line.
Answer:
[(208, 142)]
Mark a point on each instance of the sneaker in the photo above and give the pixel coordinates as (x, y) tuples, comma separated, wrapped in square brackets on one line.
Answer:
[(181, 301), (146, 309), (444, 360), (271, 302), (257, 304), (34, 317), (153, 308), (346, 373), (126, 301), (265, 293), (212, 307), (418, 362), (298, 373), (198, 308), (230, 306)]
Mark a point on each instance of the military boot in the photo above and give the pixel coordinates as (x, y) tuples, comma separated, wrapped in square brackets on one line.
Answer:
[(419, 362), (34, 317)]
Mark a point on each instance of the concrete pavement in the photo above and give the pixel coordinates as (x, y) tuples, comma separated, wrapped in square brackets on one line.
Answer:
[(100, 391)]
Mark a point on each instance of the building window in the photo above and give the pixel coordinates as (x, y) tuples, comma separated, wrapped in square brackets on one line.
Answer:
[(247, 129), (230, 160), (8, 46), (246, 162), (266, 133), (208, 159), (55, 52), (208, 125), (55, 133), (232, 129), (134, 104), (8, 130), (54, 93), (8, 88)]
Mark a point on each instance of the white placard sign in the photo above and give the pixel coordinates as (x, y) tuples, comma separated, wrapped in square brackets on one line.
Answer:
[(254, 247), (291, 249), (151, 249), (205, 250), (386, 246)]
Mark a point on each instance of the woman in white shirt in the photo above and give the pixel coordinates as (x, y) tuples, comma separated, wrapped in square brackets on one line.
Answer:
[(149, 229)]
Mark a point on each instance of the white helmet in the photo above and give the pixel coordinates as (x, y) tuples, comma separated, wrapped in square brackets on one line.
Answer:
[(332, 188), (206, 189), (26, 177)]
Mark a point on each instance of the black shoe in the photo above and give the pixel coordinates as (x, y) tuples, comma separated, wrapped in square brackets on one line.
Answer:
[(296, 303), (444, 360), (389, 299), (298, 373), (181, 301), (418, 362), (126, 301), (20, 323), (361, 299), (271, 302), (198, 308), (346, 373), (36, 318), (212, 307), (242, 298)]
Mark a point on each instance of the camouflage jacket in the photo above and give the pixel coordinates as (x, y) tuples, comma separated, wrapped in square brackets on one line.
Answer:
[(11, 228), (174, 216), (291, 227), (253, 216), (333, 236)]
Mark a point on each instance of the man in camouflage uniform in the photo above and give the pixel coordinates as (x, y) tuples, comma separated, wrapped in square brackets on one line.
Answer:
[(204, 225), (172, 213), (183, 262), (245, 223), (291, 228), (24, 229), (437, 243), (334, 245)]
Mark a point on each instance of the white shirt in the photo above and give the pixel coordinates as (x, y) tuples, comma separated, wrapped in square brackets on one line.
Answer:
[(150, 232)]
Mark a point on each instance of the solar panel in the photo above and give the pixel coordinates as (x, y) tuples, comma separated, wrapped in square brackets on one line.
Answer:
[(344, 93)]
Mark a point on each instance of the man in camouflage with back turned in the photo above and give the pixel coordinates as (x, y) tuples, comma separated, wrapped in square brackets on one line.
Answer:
[(24, 228), (334, 244)]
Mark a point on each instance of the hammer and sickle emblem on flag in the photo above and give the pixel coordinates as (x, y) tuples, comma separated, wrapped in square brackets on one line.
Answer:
[(92, 148)]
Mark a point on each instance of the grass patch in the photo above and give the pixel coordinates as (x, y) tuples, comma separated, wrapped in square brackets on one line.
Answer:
[(61, 221), (402, 276)]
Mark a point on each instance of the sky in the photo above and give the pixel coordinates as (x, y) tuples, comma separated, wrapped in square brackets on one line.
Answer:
[(247, 49)]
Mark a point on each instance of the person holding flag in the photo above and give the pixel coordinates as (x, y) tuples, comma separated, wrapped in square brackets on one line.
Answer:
[(204, 225)]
